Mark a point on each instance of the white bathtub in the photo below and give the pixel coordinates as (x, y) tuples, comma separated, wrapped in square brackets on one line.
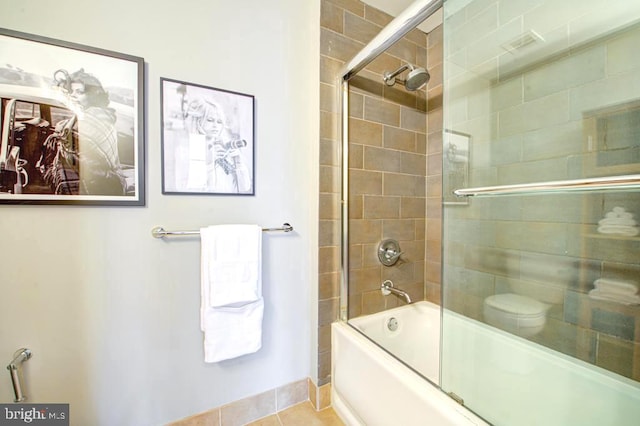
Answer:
[(509, 380), (371, 387)]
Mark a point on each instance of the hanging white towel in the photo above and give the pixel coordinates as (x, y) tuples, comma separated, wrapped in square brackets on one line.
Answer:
[(231, 307), (230, 332), (232, 257)]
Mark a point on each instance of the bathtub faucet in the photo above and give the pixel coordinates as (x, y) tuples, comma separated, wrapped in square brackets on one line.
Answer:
[(387, 287)]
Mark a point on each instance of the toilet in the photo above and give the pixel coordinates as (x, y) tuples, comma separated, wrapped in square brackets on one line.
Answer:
[(523, 312)]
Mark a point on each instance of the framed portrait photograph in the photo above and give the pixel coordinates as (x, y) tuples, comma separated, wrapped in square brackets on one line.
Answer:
[(72, 120), (208, 140)]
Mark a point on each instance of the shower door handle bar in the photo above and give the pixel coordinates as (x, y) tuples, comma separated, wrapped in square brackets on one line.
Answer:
[(619, 183)]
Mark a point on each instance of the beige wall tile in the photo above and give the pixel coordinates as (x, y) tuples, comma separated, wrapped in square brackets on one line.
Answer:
[(381, 111), (338, 46), (413, 119), (377, 16), (329, 179), (399, 229), (396, 138), (360, 29), (356, 105), (364, 280), (329, 69), (412, 207), (382, 160), (331, 17), (434, 143), (324, 367), (328, 98), (405, 50), (414, 164), (376, 207), (327, 311), (291, 394), (329, 233), (365, 182), (365, 132), (249, 409), (404, 185), (352, 6), (398, 95), (329, 153), (324, 338), (329, 285), (329, 259), (328, 125), (329, 206)]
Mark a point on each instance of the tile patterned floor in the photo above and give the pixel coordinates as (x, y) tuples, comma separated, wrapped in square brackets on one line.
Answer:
[(302, 414)]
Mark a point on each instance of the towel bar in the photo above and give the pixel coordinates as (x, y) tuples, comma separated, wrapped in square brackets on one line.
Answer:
[(159, 232)]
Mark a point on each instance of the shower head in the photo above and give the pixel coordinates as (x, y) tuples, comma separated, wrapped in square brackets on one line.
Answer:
[(416, 78)]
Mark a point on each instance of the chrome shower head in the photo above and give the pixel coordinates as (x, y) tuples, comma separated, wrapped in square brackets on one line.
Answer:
[(416, 78)]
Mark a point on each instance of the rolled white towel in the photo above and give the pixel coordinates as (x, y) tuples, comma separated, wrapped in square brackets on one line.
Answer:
[(608, 285), (628, 231), (609, 297), (618, 221)]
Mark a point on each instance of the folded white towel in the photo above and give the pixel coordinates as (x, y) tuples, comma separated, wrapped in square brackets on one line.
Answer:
[(620, 287), (231, 332), (231, 306), (610, 297), (618, 221), (629, 231), (231, 264)]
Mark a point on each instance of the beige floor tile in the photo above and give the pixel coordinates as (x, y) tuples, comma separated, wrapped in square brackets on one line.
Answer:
[(267, 421), (305, 414)]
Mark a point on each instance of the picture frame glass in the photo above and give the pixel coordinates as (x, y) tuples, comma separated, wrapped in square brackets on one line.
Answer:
[(72, 123), (208, 141)]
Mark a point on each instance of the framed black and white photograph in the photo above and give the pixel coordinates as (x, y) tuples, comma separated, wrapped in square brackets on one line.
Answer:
[(72, 123), (455, 173), (208, 142)]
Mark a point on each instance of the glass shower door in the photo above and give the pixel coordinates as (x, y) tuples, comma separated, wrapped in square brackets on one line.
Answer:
[(541, 259)]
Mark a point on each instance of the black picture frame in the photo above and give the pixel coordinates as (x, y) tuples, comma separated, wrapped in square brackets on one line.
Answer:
[(208, 140), (72, 123)]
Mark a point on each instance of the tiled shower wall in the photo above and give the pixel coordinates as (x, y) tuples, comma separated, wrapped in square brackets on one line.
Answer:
[(395, 168), (529, 118)]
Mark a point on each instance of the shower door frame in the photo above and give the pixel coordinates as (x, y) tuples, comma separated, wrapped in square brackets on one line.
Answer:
[(406, 21)]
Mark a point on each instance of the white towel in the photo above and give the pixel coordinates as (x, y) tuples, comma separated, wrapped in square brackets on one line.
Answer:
[(618, 287), (628, 231), (230, 332), (612, 297), (231, 307), (618, 221)]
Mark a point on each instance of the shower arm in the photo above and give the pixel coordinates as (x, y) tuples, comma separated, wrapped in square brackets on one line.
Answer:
[(390, 78)]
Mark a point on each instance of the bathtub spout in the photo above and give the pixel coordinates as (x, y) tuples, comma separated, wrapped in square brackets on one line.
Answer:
[(388, 287)]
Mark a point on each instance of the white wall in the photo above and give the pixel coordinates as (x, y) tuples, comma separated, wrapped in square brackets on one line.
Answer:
[(112, 314)]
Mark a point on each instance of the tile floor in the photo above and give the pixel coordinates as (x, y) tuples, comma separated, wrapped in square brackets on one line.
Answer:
[(302, 414)]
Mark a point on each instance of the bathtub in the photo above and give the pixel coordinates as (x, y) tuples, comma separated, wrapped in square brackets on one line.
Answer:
[(493, 371), (371, 387)]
